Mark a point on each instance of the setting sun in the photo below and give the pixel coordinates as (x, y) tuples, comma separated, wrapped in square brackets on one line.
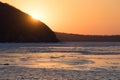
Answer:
[(35, 16), (39, 16), (90, 17)]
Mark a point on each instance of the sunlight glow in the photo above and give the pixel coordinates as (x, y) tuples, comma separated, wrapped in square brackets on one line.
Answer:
[(40, 16), (89, 17), (35, 16)]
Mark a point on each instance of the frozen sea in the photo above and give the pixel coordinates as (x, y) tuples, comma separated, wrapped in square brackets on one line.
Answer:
[(60, 61), (67, 47)]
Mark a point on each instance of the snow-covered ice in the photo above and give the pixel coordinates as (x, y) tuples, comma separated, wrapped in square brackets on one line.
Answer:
[(60, 61)]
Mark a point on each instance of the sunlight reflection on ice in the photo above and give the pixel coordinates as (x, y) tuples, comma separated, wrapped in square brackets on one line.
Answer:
[(71, 61)]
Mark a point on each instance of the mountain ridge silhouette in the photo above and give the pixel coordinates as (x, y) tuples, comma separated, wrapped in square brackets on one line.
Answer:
[(18, 26)]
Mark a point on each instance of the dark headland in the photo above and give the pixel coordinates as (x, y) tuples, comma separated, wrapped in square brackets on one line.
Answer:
[(17, 26), (65, 37)]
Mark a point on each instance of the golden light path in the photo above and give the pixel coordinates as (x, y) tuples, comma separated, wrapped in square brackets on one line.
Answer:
[(62, 61)]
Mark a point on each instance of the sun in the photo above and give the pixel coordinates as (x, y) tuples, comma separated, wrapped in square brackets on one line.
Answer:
[(38, 16), (35, 16)]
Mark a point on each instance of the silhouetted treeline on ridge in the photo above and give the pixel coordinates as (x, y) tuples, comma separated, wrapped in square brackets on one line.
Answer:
[(64, 37), (17, 26)]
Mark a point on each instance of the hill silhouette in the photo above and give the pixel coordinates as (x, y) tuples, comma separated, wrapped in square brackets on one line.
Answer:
[(65, 37), (17, 26)]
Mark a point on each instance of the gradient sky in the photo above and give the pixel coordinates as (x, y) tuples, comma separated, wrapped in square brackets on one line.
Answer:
[(96, 17)]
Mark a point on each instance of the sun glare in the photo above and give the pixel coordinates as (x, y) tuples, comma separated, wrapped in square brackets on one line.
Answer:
[(35, 16), (38, 16)]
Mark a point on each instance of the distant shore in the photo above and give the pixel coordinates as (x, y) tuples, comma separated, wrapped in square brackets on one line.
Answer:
[(65, 37)]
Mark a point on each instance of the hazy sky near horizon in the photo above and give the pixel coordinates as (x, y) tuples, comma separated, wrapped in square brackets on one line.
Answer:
[(96, 17)]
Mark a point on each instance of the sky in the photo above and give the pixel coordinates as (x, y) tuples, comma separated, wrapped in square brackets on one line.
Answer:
[(89, 17)]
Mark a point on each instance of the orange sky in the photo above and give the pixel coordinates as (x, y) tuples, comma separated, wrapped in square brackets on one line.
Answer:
[(97, 17)]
